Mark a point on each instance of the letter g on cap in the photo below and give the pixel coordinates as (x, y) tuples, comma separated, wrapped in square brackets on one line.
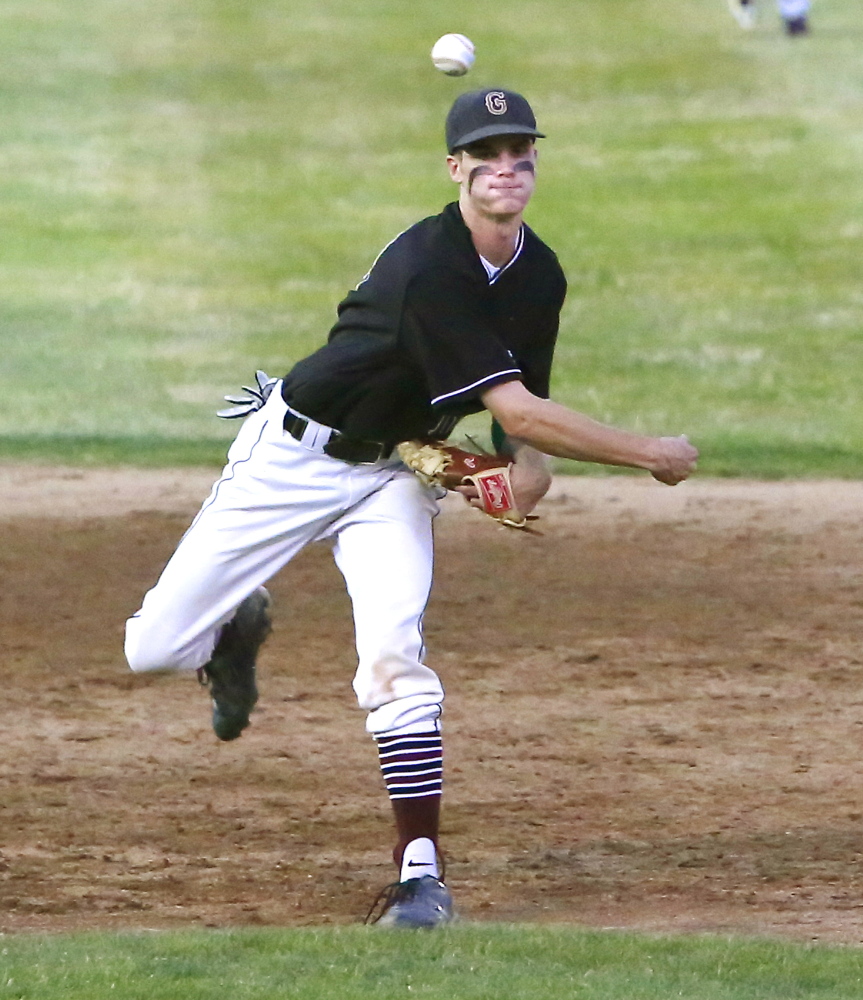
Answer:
[(495, 101)]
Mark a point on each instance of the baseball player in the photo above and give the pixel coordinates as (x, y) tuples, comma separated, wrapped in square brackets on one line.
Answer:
[(794, 14), (458, 314)]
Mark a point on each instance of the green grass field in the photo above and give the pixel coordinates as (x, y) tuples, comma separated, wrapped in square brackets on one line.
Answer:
[(188, 189), (465, 963)]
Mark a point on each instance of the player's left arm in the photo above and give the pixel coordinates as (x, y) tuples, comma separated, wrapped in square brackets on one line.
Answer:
[(530, 474)]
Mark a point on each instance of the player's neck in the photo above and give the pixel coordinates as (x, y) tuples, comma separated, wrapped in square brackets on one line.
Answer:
[(494, 238)]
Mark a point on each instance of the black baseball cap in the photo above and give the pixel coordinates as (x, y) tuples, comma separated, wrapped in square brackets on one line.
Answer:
[(480, 113)]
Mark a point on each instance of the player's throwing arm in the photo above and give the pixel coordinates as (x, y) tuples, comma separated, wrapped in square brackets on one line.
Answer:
[(556, 430)]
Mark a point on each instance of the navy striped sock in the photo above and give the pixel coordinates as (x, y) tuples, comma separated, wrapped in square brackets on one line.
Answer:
[(412, 766)]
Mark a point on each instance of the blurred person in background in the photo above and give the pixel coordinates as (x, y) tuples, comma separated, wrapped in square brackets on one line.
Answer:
[(794, 14)]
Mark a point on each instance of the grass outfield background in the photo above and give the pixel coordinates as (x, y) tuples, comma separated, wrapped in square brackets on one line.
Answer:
[(188, 189), (489, 963)]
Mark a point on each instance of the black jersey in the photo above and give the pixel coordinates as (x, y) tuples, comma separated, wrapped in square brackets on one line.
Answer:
[(428, 330)]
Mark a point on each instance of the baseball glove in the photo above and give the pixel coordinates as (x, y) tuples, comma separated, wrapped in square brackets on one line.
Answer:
[(439, 464)]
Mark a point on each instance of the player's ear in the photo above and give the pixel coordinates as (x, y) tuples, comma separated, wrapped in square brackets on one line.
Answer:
[(453, 162)]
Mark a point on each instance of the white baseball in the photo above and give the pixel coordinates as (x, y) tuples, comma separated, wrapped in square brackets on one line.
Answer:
[(453, 54)]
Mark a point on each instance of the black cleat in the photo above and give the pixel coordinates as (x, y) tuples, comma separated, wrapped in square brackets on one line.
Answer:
[(417, 903), (230, 674), (797, 26)]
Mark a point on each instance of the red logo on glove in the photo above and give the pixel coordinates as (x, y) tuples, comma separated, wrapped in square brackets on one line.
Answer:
[(496, 493)]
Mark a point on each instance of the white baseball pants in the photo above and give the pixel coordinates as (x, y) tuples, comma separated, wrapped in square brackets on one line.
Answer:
[(274, 497), (793, 8)]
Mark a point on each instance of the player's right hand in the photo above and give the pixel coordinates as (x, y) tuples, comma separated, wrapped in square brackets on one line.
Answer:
[(676, 460)]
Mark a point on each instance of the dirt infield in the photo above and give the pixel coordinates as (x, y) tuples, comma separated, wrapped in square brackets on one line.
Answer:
[(654, 718)]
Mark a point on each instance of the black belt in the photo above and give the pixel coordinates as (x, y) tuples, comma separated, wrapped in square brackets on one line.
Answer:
[(339, 446)]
